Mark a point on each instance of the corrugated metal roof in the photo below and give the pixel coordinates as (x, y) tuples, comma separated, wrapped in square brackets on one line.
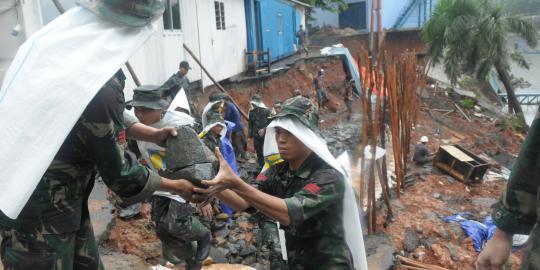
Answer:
[(300, 3)]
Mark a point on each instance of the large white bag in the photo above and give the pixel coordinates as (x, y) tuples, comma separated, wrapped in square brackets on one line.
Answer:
[(53, 77)]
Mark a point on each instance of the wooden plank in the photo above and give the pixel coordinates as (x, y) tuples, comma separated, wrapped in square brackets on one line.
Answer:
[(457, 153)]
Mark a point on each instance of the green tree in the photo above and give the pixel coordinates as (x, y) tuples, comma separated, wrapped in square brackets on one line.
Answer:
[(330, 5), (469, 37)]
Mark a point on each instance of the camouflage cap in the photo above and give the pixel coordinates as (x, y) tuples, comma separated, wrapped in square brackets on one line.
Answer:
[(301, 108), (215, 117), (131, 13), (256, 98), (218, 96), (149, 96)]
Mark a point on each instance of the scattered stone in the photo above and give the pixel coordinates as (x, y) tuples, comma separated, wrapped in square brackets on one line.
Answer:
[(457, 232), (436, 195), (429, 242), (380, 252), (442, 254), (484, 201), (453, 252), (222, 217), (411, 241), (429, 215)]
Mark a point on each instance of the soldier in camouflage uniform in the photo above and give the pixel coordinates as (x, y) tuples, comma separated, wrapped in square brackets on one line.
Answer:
[(178, 223), (258, 119), (518, 211), (177, 81), (213, 131), (301, 191), (53, 231)]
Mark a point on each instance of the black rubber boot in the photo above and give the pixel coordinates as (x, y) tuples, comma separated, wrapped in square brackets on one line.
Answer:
[(203, 248)]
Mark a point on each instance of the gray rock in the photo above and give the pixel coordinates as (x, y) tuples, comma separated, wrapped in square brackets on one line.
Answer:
[(436, 195), (219, 255), (247, 250), (484, 201), (185, 149), (194, 173), (429, 242), (380, 252), (429, 215), (453, 252), (411, 241), (445, 234), (457, 231)]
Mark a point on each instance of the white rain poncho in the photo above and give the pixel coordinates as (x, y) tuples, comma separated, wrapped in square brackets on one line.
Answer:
[(351, 217), (207, 108), (51, 80), (180, 101)]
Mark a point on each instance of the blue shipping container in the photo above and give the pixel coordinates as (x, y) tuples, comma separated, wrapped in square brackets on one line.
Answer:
[(272, 24)]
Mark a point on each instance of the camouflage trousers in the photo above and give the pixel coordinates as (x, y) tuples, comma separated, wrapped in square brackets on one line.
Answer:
[(177, 226), (68, 251), (271, 246), (531, 260)]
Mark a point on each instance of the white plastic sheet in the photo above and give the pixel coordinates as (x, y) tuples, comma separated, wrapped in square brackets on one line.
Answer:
[(180, 100), (53, 77), (351, 216), (338, 49)]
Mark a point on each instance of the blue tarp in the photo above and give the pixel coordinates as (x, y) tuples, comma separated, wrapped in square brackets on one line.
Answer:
[(228, 154), (478, 232)]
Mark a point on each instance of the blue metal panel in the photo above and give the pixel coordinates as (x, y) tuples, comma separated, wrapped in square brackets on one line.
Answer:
[(277, 28), (354, 17), (250, 25)]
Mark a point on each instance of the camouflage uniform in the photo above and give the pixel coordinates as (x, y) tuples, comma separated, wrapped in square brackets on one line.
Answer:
[(211, 140), (178, 224), (172, 86), (314, 197), (519, 207), (258, 119), (53, 231)]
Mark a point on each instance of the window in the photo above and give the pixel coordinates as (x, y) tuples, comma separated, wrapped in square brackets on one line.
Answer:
[(171, 16), (220, 15), (280, 23)]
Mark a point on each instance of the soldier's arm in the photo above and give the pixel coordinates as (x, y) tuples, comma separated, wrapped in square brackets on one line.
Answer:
[(121, 172), (517, 210)]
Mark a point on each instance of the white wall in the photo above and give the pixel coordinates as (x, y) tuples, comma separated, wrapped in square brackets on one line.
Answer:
[(222, 50)]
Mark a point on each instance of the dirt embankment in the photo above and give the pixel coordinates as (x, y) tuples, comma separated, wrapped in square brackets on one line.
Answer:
[(418, 230)]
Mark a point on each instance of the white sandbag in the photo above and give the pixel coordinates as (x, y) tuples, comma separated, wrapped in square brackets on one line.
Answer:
[(51, 80)]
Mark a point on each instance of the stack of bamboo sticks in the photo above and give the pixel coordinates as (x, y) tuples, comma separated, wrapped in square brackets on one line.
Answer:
[(388, 86)]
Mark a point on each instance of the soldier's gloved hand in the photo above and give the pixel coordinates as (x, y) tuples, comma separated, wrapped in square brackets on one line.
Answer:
[(225, 179), (162, 134), (496, 252)]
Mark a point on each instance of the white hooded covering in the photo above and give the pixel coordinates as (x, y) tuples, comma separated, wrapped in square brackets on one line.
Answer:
[(351, 217), (49, 83)]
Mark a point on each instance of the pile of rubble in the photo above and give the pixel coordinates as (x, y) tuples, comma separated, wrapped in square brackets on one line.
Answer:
[(238, 241), (343, 137)]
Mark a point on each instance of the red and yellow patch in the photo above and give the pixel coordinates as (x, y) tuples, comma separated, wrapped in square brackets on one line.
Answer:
[(121, 136), (261, 177), (312, 188)]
